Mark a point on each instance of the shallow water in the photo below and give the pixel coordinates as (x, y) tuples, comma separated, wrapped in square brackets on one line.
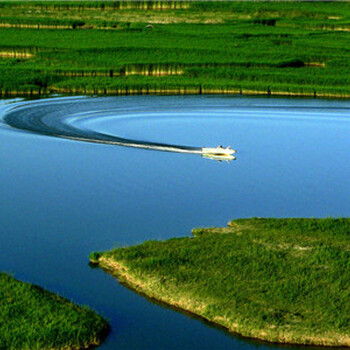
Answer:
[(62, 198)]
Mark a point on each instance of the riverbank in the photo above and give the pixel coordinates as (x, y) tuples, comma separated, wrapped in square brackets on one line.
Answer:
[(35, 93), (172, 47), (33, 318), (278, 280)]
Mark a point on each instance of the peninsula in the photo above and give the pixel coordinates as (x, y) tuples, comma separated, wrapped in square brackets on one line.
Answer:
[(278, 280)]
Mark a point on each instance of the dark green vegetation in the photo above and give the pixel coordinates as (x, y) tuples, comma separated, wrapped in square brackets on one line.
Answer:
[(33, 318), (281, 280), (131, 47)]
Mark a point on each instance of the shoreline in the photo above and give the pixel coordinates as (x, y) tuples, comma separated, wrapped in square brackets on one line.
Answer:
[(120, 271), (165, 92)]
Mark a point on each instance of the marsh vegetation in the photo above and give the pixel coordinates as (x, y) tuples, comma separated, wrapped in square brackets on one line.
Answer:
[(132, 47), (281, 280), (33, 318)]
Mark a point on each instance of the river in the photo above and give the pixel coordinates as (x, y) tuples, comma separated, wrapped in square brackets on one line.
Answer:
[(82, 174)]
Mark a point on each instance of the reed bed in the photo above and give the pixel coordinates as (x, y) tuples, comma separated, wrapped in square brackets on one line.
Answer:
[(33, 318), (269, 48), (281, 280)]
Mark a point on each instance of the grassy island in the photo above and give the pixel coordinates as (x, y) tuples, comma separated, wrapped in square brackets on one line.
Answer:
[(33, 318), (279, 280), (175, 47)]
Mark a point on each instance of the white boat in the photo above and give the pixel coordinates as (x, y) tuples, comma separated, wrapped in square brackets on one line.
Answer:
[(218, 151)]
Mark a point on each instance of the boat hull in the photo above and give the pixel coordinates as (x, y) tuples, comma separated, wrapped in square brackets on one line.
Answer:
[(218, 151)]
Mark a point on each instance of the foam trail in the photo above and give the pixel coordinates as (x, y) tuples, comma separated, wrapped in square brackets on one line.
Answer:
[(54, 117)]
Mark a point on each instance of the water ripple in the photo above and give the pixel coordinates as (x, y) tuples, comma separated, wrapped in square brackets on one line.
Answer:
[(60, 117)]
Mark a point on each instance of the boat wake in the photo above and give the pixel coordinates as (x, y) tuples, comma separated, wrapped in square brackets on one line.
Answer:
[(69, 118)]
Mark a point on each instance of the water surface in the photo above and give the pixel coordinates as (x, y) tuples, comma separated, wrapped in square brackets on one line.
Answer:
[(62, 197)]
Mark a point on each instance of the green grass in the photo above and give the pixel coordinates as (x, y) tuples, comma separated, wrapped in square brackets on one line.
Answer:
[(33, 318), (281, 280), (270, 47)]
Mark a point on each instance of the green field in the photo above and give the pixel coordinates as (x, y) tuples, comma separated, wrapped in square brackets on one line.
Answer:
[(178, 47), (280, 280), (33, 318)]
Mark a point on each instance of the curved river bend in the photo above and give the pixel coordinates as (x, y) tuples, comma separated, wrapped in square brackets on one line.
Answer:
[(82, 174)]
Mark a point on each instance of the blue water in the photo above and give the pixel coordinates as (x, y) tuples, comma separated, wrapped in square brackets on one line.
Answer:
[(61, 199)]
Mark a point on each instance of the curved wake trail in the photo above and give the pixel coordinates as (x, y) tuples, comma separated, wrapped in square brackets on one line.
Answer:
[(60, 117)]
